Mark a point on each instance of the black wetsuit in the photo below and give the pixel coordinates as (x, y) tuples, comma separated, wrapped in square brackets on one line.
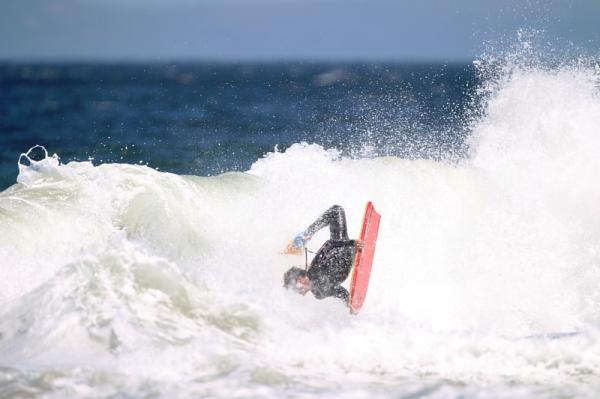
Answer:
[(333, 261)]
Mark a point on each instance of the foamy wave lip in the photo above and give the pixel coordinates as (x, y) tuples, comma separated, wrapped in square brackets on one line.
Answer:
[(295, 160), (30, 169)]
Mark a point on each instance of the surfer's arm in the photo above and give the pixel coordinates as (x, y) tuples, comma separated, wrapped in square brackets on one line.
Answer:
[(335, 214), (335, 218)]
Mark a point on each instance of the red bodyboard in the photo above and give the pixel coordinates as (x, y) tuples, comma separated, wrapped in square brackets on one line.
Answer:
[(363, 260)]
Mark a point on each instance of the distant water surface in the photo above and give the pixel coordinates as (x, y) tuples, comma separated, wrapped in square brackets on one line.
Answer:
[(206, 119)]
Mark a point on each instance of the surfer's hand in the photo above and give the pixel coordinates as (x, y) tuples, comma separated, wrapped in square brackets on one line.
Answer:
[(290, 249), (299, 240), (359, 244)]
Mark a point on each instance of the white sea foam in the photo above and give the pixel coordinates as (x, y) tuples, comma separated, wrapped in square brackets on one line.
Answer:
[(121, 279)]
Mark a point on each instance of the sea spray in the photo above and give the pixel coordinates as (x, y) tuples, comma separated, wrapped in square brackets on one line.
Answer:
[(125, 280)]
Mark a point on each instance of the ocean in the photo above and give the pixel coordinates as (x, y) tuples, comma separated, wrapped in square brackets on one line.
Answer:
[(144, 210), (208, 119)]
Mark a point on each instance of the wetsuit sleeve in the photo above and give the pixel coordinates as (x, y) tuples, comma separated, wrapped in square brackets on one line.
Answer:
[(335, 218)]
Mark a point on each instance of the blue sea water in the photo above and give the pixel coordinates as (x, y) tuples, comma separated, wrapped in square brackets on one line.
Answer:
[(206, 119)]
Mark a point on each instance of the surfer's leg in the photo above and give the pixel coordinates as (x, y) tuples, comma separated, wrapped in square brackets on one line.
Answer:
[(342, 293), (335, 218)]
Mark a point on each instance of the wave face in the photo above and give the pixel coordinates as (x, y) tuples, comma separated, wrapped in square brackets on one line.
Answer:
[(121, 280)]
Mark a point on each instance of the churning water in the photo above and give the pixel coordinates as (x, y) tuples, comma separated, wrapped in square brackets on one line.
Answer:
[(118, 280)]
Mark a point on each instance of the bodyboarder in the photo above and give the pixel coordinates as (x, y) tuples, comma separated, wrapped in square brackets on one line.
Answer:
[(332, 262)]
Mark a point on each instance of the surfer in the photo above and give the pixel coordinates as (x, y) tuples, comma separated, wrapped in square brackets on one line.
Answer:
[(332, 262)]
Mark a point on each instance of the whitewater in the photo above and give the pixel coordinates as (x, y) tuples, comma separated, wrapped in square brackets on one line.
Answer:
[(118, 280)]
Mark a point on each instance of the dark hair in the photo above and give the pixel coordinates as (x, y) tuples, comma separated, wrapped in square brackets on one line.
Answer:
[(290, 277)]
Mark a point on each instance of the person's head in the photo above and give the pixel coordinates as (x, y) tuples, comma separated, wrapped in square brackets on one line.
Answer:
[(297, 279)]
